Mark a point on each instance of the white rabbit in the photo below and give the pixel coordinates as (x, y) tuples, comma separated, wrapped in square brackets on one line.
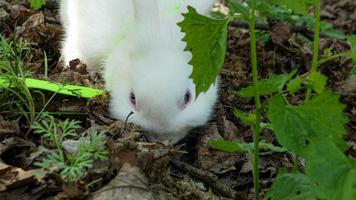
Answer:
[(138, 45)]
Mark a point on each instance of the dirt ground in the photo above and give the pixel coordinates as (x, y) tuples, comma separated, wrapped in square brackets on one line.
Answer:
[(189, 170)]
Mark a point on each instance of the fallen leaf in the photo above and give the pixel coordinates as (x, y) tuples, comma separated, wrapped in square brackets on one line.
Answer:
[(12, 177), (33, 22), (280, 32), (9, 127), (129, 184), (213, 160)]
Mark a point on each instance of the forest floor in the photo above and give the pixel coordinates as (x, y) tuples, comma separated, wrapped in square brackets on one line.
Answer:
[(135, 168)]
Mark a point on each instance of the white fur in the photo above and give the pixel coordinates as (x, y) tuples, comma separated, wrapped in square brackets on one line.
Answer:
[(139, 46)]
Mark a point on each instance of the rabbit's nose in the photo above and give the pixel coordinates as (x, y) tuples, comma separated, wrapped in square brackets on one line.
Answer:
[(159, 121)]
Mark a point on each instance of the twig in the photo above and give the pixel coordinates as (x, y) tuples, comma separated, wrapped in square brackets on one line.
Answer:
[(346, 94), (266, 27), (6, 131), (116, 136), (206, 177)]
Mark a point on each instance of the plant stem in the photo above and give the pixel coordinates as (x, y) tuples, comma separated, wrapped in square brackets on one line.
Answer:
[(46, 104), (316, 36), (256, 126), (295, 163), (46, 64), (57, 142), (316, 43), (333, 57)]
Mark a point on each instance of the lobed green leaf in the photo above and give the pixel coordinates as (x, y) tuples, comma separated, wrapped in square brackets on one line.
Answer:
[(268, 86), (236, 7), (299, 7), (294, 126), (352, 40), (246, 118), (317, 81), (292, 186), (331, 170), (206, 38), (294, 85)]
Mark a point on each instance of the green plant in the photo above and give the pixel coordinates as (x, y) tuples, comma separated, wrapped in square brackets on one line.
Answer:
[(71, 167), (16, 86), (37, 4), (215, 33), (352, 41), (292, 12), (13, 70), (316, 42), (313, 129), (256, 126)]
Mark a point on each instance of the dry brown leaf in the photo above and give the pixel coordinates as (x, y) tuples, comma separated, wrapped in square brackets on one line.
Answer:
[(12, 177), (130, 184), (350, 84), (280, 32), (9, 127), (214, 160), (33, 22)]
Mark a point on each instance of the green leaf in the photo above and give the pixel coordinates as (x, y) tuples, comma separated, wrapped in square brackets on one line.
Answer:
[(37, 4), (333, 33), (237, 7), (352, 41), (317, 81), (353, 70), (311, 2), (331, 170), (330, 31), (245, 118), (206, 38), (268, 86), (268, 146), (299, 7), (237, 146), (294, 85), (72, 90), (229, 146), (279, 14), (263, 37), (266, 126), (292, 187), (294, 125)]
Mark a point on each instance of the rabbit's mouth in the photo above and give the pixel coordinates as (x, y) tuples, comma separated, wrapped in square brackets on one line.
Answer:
[(155, 135)]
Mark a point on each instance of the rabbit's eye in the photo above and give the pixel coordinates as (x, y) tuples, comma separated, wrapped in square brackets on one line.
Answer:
[(187, 97), (133, 99)]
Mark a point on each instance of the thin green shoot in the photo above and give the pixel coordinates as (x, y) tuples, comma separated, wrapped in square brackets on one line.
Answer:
[(314, 66), (46, 104), (13, 71), (335, 56), (256, 126), (46, 64)]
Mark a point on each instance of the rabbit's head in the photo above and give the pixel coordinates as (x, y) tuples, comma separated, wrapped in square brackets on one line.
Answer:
[(152, 81)]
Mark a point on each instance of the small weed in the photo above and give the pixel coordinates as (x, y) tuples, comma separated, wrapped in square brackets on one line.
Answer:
[(71, 167), (13, 71)]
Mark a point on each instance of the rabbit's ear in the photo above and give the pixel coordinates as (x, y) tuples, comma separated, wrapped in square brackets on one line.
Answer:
[(146, 11)]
